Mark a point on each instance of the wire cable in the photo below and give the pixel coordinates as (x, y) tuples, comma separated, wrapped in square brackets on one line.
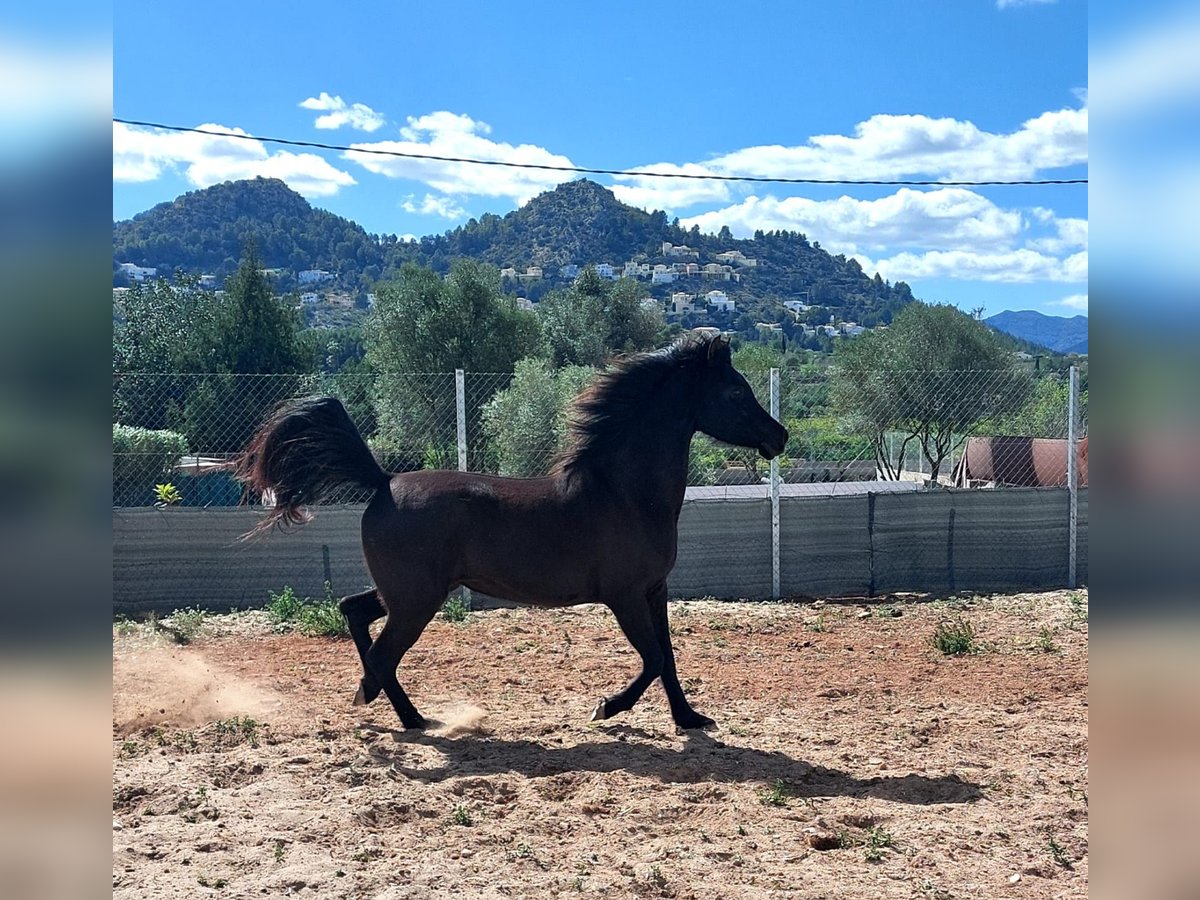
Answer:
[(753, 179)]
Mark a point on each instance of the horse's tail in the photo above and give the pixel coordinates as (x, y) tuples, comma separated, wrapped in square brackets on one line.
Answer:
[(302, 453)]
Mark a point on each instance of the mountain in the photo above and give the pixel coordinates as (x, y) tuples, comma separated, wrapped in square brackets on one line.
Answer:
[(1057, 333), (204, 232), (578, 223)]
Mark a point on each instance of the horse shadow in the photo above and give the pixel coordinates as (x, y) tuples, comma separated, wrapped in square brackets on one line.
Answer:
[(702, 758)]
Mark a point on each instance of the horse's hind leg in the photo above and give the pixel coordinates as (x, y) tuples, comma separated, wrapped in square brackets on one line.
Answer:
[(681, 711), (360, 611), (405, 622)]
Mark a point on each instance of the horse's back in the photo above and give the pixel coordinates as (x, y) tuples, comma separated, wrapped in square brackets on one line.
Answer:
[(531, 540)]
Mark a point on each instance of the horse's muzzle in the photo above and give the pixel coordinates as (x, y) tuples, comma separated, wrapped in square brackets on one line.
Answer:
[(774, 445)]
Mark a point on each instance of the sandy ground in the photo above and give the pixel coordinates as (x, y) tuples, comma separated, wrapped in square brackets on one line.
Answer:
[(852, 759)]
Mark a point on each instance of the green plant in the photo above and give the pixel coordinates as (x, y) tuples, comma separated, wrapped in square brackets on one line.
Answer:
[(455, 610), (877, 841), (1058, 853), (1045, 641), (280, 849), (166, 495), (185, 625), (284, 607), (1079, 607), (778, 794), (817, 625), (313, 618), (142, 456), (954, 637), (461, 816), (238, 729)]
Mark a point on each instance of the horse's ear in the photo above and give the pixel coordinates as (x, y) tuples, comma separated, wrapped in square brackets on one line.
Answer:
[(718, 352)]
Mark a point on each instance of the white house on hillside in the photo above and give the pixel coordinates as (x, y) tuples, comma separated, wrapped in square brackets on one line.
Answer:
[(720, 301), (314, 276), (137, 273)]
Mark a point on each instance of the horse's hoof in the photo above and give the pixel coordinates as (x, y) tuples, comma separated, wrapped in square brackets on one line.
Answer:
[(697, 721), (360, 697), (599, 714), (420, 723)]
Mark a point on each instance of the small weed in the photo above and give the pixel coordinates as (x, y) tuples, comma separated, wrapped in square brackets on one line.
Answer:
[(455, 610), (1057, 852), (577, 884), (207, 882), (280, 850), (366, 854), (657, 878), (238, 729), (777, 796), (186, 741), (185, 625), (130, 749), (124, 626), (523, 851), (877, 841), (741, 830), (285, 606), (1079, 607), (887, 611), (461, 816), (817, 625), (955, 637), (1045, 641)]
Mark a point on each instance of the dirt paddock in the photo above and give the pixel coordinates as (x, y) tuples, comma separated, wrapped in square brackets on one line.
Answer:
[(851, 758)]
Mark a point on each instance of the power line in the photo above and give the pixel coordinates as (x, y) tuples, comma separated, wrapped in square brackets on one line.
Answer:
[(754, 179)]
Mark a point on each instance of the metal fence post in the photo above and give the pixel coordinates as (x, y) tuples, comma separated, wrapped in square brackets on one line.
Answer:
[(775, 592), (1072, 473), (460, 402)]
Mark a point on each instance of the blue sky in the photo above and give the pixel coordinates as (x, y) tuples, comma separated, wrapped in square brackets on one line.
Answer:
[(964, 90)]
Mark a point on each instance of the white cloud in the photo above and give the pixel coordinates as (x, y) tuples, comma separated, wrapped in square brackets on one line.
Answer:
[(1018, 266), (903, 146), (144, 154), (433, 205), (652, 193), (449, 134), (1077, 302), (948, 218), (339, 113)]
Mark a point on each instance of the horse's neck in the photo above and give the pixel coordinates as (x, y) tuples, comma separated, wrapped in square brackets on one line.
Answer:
[(648, 469)]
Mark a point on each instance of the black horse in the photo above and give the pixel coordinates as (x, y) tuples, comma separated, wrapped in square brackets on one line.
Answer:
[(601, 528)]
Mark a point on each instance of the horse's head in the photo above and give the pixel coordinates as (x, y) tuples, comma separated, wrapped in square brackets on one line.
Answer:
[(728, 410)]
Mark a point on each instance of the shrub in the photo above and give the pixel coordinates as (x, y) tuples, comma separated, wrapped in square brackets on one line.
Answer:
[(955, 637), (141, 459), (313, 618)]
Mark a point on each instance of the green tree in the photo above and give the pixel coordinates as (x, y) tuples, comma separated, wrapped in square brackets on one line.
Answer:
[(526, 423), (931, 376), (595, 318), (424, 323), (162, 333), (253, 333)]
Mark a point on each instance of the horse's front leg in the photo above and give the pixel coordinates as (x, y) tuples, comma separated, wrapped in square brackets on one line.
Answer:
[(634, 618), (681, 711)]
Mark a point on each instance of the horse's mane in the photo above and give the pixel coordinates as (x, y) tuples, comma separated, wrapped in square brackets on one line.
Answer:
[(621, 394)]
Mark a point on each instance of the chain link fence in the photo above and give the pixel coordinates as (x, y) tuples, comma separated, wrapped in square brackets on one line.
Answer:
[(957, 428)]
